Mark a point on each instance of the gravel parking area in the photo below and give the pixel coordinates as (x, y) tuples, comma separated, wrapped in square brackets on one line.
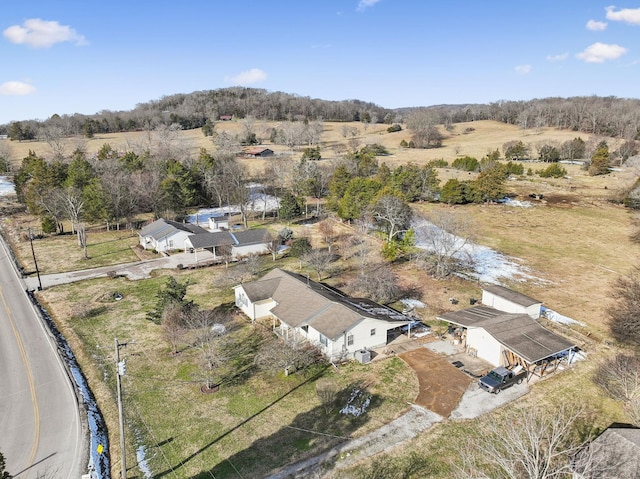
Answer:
[(476, 402)]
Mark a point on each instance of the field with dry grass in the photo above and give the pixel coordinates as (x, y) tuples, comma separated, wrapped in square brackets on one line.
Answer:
[(471, 138), (573, 243)]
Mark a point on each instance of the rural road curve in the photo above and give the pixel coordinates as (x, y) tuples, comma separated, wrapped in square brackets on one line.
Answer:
[(41, 430)]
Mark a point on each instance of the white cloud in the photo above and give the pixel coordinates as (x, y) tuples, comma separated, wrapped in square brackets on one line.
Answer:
[(626, 15), (601, 52), (558, 58), (16, 88), (249, 77), (364, 4), (596, 26), (39, 33), (523, 69)]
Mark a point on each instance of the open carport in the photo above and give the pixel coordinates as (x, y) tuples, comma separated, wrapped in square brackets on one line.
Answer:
[(441, 383)]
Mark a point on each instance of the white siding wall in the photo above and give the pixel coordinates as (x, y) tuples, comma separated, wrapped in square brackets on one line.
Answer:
[(218, 224), (534, 310), (362, 338), (487, 346), (239, 251), (502, 304), (171, 242), (259, 309), (263, 308)]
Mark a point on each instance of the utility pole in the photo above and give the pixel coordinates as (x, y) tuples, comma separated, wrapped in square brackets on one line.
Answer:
[(120, 371), (33, 252)]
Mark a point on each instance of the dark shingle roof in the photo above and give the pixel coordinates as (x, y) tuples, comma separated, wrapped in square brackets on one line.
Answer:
[(517, 332), (211, 240), (513, 296), (220, 238), (254, 236), (161, 228)]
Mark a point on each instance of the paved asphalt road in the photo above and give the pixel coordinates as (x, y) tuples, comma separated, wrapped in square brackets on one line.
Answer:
[(40, 428)]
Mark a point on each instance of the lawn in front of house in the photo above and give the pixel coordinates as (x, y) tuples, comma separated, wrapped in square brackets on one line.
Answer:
[(256, 422), (61, 253)]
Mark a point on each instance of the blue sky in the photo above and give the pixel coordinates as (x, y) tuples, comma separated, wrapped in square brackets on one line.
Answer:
[(73, 56)]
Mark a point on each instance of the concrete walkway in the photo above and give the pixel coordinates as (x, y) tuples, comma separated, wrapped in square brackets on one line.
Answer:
[(133, 271), (406, 427)]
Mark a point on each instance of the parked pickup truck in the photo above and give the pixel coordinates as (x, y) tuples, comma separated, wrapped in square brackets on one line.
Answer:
[(501, 378)]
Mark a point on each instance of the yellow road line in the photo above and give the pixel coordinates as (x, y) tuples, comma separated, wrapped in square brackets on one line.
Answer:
[(32, 386)]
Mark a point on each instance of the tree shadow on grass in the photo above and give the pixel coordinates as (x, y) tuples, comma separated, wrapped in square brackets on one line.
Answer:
[(309, 434), (171, 470)]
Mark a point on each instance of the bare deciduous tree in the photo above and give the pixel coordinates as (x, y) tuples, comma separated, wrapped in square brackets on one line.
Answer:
[(327, 391), (328, 232), (208, 330), (392, 214), (526, 443), (319, 260), (71, 200), (624, 313), (173, 325), (54, 136), (446, 236), (379, 283), (288, 355), (619, 377)]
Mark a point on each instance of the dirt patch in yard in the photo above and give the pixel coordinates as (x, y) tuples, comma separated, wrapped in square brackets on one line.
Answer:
[(441, 384)]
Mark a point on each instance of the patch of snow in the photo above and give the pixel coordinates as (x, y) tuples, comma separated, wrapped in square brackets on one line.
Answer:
[(6, 187), (559, 318), (487, 265), (258, 202), (516, 203), (357, 404), (412, 303), (141, 456)]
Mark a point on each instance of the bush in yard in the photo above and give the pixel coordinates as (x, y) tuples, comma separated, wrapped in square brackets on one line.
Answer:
[(285, 234), (553, 171), (514, 168), (440, 163), (300, 247), (48, 225), (393, 128), (466, 163), (311, 153)]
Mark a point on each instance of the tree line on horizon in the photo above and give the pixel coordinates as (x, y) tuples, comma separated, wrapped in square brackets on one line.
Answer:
[(604, 116)]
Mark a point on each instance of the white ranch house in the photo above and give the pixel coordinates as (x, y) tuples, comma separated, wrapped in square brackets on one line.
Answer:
[(166, 235), (339, 326)]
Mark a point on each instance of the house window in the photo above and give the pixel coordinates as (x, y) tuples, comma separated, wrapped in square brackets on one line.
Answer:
[(350, 340), (305, 328), (324, 341), (373, 331)]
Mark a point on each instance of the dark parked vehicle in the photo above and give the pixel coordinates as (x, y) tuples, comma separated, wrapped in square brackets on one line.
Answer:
[(501, 378)]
